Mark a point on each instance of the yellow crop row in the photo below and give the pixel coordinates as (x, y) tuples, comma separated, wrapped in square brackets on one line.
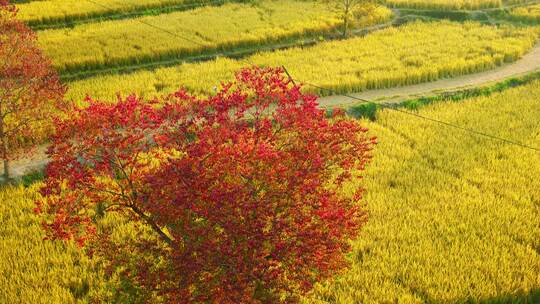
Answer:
[(453, 217), (451, 4), (35, 271), (531, 12), (414, 53), (41, 271), (174, 35), (67, 10)]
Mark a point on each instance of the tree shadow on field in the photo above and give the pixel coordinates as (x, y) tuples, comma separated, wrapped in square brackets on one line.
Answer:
[(520, 297), (531, 297)]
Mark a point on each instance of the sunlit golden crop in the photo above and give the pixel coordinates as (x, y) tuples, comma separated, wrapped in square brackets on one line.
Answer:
[(179, 34), (35, 271), (531, 12), (453, 217), (65, 10), (387, 58), (451, 4)]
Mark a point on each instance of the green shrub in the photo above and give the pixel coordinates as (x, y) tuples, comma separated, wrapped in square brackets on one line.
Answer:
[(364, 110)]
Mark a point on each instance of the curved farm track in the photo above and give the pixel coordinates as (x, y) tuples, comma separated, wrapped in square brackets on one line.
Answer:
[(529, 63)]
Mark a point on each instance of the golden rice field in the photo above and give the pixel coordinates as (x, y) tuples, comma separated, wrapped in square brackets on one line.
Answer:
[(227, 27), (387, 58), (453, 218), (451, 4), (531, 12), (35, 271), (45, 11), (52, 272)]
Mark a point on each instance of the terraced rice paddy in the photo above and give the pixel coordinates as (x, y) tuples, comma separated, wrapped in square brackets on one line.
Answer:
[(453, 216), (452, 4), (531, 12), (34, 271), (387, 58), (51, 11), (169, 36)]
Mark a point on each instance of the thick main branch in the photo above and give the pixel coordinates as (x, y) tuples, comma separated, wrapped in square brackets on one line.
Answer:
[(153, 225)]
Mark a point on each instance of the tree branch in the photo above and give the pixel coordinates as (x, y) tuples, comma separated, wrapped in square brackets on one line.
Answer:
[(153, 225)]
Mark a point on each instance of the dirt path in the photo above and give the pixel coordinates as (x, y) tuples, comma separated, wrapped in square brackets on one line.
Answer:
[(529, 63), (21, 167)]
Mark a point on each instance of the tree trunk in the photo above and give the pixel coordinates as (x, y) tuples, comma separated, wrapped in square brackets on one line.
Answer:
[(346, 22), (7, 173), (4, 150)]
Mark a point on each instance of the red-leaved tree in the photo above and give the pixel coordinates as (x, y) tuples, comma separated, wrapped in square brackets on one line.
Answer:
[(236, 197), (30, 91)]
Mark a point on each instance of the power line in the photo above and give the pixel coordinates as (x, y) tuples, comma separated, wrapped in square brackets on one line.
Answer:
[(472, 131), (125, 15), (156, 27), (173, 33), (168, 31), (441, 122)]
